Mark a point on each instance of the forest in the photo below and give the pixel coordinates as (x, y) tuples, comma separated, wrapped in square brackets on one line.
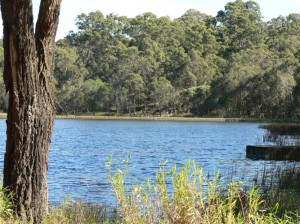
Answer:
[(232, 65)]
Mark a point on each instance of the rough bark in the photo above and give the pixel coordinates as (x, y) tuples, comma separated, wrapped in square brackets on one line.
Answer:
[(28, 75)]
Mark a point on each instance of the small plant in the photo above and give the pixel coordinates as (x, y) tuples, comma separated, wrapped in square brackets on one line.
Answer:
[(7, 215), (190, 198)]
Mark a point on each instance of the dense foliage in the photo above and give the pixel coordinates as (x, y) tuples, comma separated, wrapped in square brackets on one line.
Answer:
[(233, 64)]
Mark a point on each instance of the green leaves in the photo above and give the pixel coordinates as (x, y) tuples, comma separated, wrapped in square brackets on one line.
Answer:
[(241, 26), (148, 64)]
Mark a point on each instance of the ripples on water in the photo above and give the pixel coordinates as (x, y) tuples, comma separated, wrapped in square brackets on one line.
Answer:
[(80, 148)]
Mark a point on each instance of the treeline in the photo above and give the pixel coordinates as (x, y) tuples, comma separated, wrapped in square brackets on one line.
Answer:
[(234, 64)]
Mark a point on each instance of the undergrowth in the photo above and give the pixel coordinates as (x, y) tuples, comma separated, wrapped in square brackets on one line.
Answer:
[(281, 185), (191, 198), (75, 212)]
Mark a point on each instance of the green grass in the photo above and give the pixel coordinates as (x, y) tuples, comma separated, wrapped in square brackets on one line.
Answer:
[(7, 215)]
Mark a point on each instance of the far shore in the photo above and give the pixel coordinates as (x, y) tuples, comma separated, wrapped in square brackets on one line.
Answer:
[(153, 118), (150, 118)]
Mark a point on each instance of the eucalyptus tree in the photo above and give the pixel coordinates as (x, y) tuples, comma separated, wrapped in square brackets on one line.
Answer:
[(123, 62), (135, 86), (148, 33), (208, 62), (270, 94), (28, 76), (283, 40), (257, 83), (143, 26), (196, 71), (194, 26), (70, 74), (164, 96), (95, 34), (283, 35), (95, 96), (240, 26)]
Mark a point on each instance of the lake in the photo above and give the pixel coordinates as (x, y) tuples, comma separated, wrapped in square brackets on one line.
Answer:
[(80, 148)]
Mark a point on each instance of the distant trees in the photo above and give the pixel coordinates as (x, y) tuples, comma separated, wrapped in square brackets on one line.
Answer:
[(234, 64)]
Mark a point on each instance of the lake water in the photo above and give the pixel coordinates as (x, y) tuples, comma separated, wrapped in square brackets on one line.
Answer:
[(80, 148)]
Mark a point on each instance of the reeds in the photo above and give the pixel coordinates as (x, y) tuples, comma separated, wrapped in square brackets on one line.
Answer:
[(282, 134), (191, 198), (281, 186)]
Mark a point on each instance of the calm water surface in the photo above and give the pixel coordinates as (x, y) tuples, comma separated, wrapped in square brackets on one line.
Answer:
[(80, 148)]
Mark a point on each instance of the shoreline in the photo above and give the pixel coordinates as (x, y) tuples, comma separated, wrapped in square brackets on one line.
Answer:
[(152, 118), (165, 118), (146, 118)]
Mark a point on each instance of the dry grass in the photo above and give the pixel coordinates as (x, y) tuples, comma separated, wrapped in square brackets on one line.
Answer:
[(101, 116), (191, 119), (73, 212)]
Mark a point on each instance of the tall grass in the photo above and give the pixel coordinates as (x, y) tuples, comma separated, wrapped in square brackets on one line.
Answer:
[(192, 198), (68, 212), (75, 212), (7, 215), (281, 185), (282, 134)]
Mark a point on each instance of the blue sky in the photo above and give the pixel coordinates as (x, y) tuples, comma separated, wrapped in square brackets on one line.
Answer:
[(173, 8)]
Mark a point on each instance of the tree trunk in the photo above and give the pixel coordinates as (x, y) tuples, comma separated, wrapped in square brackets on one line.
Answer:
[(28, 75)]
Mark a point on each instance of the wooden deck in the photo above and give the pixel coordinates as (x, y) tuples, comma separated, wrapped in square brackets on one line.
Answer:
[(291, 153)]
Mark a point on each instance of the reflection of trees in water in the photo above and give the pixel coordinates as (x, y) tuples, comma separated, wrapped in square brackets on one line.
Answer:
[(282, 134)]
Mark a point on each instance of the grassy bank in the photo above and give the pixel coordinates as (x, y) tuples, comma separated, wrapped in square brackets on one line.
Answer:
[(163, 118), (146, 118), (110, 116)]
